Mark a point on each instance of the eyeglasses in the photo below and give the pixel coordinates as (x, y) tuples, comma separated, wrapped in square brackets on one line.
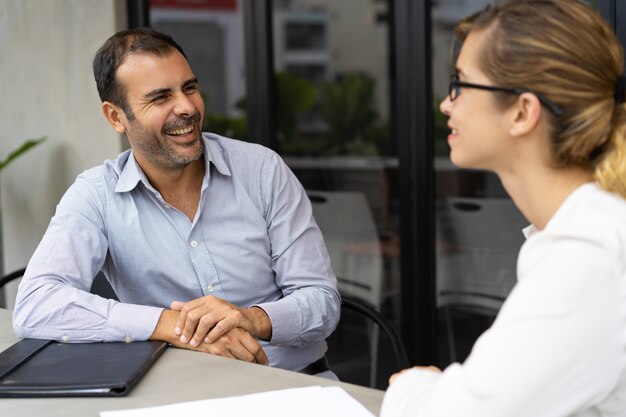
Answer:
[(456, 85)]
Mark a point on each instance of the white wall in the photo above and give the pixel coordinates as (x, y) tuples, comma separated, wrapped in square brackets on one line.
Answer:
[(47, 88)]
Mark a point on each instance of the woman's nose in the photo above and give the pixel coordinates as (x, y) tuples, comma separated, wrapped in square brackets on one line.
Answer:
[(445, 105)]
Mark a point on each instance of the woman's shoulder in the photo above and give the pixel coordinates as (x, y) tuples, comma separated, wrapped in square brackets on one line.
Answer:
[(593, 215)]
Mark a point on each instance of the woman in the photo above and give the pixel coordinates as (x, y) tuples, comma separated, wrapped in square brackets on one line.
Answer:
[(539, 100)]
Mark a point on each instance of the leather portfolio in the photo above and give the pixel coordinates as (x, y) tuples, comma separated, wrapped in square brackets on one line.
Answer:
[(45, 368)]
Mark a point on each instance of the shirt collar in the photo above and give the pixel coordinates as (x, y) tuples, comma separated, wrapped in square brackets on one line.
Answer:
[(130, 176), (214, 154), (570, 201), (132, 173)]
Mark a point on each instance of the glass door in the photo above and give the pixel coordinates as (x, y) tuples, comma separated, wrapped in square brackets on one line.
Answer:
[(332, 89)]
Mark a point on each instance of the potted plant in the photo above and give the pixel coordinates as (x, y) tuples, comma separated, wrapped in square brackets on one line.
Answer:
[(3, 164)]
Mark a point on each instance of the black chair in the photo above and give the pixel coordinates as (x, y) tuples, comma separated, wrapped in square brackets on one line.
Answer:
[(346, 369), (12, 276)]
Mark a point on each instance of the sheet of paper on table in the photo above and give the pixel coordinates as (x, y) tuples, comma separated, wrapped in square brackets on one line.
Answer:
[(313, 401)]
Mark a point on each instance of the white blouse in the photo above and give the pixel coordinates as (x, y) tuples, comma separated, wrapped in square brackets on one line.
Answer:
[(558, 345)]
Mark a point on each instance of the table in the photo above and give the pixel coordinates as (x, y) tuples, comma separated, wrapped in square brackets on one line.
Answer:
[(179, 375)]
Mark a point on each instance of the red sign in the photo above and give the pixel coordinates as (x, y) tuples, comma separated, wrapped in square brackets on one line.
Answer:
[(195, 4)]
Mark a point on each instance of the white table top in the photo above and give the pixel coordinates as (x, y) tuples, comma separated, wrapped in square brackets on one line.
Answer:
[(178, 375)]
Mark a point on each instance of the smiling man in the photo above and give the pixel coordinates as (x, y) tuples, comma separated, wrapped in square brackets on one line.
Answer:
[(209, 243)]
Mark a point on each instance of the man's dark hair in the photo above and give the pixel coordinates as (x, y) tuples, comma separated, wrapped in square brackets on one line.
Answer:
[(113, 53)]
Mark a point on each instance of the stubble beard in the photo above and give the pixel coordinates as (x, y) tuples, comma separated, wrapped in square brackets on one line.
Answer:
[(165, 154)]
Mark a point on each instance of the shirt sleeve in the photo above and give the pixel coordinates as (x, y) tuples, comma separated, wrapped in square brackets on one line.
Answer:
[(554, 349), (53, 299), (309, 310)]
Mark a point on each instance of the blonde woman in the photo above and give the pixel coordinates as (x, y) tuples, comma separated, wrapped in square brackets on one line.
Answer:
[(538, 98)]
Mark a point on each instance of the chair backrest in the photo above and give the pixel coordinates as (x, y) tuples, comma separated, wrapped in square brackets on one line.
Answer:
[(481, 238), (365, 349), (399, 351), (351, 237), (11, 276)]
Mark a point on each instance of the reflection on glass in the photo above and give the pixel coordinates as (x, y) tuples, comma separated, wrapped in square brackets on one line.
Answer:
[(211, 34), (332, 89)]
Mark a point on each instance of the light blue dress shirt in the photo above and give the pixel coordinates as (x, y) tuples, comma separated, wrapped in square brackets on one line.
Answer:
[(253, 241)]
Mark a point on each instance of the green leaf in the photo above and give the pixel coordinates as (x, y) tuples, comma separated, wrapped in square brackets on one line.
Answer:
[(25, 147)]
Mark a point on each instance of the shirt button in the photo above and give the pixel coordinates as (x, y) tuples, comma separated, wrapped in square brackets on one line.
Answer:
[(167, 206), (209, 288), (128, 339), (194, 243), (65, 339)]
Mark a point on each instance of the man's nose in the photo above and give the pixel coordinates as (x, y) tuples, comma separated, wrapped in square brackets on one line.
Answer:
[(183, 105)]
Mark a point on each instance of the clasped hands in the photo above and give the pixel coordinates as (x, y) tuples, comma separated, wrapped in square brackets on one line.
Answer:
[(211, 324)]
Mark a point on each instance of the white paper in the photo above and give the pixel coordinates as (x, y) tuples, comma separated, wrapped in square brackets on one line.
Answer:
[(302, 402)]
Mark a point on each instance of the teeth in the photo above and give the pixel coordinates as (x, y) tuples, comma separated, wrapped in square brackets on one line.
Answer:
[(454, 131), (177, 132)]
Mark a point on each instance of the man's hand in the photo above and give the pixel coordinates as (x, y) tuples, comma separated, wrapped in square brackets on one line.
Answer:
[(209, 318), (236, 343)]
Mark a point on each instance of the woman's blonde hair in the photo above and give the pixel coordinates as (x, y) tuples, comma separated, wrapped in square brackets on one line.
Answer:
[(565, 51)]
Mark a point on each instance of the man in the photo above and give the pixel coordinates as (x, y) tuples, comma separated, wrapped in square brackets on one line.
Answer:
[(218, 230)]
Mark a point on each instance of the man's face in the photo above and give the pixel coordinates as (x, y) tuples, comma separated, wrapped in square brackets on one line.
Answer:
[(167, 109)]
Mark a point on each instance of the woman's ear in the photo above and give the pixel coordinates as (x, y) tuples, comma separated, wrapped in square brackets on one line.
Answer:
[(526, 115), (115, 116)]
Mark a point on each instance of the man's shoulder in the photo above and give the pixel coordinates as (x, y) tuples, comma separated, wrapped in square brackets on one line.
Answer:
[(110, 169), (231, 147)]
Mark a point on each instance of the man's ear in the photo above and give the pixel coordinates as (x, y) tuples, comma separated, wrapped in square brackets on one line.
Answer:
[(115, 116), (526, 114)]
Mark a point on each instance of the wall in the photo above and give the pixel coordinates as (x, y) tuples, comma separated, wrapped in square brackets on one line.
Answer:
[(47, 88)]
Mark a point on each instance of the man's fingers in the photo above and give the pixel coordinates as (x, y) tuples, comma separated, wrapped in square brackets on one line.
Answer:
[(244, 347), (177, 305), (186, 324), (227, 322), (197, 324), (207, 319), (255, 349)]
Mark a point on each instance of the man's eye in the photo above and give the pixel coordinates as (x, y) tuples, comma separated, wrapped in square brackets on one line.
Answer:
[(191, 88), (160, 98)]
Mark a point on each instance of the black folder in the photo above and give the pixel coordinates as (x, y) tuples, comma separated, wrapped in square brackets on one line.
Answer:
[(45, 368)]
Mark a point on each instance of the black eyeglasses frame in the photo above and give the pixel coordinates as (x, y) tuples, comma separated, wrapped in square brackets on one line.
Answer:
[(455, 86)]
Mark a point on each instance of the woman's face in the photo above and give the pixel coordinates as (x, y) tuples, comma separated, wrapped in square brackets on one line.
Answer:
[(478, 137)]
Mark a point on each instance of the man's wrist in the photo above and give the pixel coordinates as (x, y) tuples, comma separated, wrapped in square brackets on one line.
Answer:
[(261, 323), (164, 329)]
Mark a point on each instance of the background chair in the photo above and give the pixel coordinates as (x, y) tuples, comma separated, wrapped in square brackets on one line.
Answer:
[(352, 240), (479, 240), (353, 313), (11, 276)]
